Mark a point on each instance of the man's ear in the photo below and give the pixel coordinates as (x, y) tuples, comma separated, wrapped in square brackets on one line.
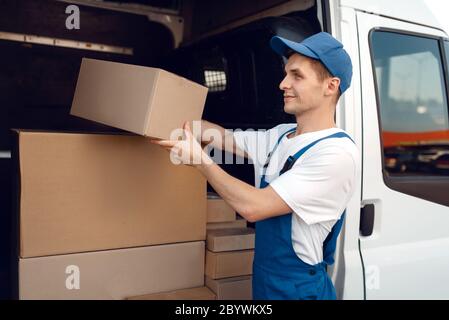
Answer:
[(333, 85)]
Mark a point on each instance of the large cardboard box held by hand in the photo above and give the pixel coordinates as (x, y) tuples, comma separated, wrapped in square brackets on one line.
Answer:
[(113, 274), (89, 192), (147, 101)]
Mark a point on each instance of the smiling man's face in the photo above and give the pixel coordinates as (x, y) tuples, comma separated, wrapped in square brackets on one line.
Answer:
[(302, 86)]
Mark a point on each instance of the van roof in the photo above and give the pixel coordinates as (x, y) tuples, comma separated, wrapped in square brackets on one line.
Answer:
[(416, 11)]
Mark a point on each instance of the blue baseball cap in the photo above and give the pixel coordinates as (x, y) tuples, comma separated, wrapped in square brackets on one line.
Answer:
[(323, 47)]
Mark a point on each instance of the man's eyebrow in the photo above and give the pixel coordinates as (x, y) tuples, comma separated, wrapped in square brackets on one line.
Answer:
[(295, 70)]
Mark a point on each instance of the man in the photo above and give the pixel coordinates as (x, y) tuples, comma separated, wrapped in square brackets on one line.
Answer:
[(305, 182)]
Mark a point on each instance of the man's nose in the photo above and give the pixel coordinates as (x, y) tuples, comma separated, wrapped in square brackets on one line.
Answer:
[(284, 84)]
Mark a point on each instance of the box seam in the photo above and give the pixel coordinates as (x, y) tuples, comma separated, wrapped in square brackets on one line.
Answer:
[(150, 102)]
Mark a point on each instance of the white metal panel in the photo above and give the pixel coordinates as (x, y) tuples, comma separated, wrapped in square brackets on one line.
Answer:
[(414, 11), (347, 273), (407, 256)]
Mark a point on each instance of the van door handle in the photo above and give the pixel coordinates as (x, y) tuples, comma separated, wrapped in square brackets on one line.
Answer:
[(367, 220)]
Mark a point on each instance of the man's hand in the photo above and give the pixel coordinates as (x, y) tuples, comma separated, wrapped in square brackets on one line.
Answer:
[(252, 203), (188, 151)]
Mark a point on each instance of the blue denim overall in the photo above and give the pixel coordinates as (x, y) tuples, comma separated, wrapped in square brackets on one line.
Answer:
[(278, 273)]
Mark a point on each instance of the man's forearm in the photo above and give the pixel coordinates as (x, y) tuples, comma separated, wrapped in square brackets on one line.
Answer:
[(218, 137), (252, 203), (241, 196)]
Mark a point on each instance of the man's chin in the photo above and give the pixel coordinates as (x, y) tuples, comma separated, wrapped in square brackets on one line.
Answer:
[(289, 109)]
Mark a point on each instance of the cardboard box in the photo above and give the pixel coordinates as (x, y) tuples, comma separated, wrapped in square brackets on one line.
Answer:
[(201, 293), (218, 210), (238, 223), (90, 192), (235, 288), (147, 101), (113, 274), (230, 239), (229, 264)]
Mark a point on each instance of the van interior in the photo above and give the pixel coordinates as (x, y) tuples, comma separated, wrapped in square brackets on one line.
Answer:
[(223, 45)]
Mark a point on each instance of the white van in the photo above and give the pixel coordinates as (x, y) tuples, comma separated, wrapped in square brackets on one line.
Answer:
[(395, 240)]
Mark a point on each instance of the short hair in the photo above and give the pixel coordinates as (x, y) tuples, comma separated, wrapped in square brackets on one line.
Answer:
[(320, 69)]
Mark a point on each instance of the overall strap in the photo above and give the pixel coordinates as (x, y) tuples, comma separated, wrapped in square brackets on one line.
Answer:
[(264, 170), (292, 159), (330, 242)]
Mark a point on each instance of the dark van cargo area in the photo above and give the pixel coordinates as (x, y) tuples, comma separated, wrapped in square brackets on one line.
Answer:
[(223, 45)]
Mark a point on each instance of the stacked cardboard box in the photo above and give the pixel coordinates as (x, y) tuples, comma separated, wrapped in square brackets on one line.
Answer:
[(239, 222), (235, 288), (200, 293), (218, 211), (96, 215), (113, 274), (229, 254), (220, 215)]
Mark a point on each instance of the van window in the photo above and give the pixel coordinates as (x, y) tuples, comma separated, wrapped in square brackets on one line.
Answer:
[(412, 104), (214, 67), (215, 80)]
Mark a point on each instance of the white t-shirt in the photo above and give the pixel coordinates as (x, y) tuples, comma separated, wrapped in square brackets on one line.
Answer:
[(318, 186)]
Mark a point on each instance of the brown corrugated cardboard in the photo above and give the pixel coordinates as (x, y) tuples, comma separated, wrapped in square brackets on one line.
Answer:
[(147, 101), (88, 192), (230, 239), (239, 223), (201, 293), (235, 288), (229, 264), (218, 210), (113, 274)]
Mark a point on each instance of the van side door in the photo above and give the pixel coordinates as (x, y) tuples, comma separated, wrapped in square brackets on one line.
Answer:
[(404, 239)]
